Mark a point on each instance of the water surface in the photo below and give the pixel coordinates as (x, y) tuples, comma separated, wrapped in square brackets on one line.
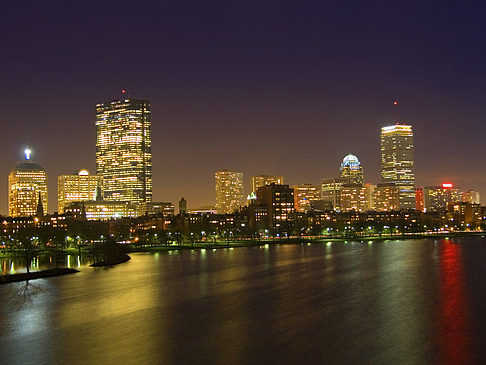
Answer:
[(414, 302)]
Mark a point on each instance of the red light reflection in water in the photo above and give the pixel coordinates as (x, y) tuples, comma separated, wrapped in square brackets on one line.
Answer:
[(454, 326)]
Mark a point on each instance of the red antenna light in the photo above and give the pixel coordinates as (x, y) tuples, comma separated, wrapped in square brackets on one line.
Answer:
[(124, 91), (395, 102)]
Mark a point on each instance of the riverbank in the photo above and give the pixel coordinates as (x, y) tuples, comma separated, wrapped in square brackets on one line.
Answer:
[(87, 250), (300, 240), (12, 278)]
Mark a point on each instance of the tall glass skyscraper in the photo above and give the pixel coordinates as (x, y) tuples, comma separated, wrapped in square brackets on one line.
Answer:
[(124, 150), (397, 166)]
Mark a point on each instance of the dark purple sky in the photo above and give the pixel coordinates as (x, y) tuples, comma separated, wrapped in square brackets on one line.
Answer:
[(279, 87)]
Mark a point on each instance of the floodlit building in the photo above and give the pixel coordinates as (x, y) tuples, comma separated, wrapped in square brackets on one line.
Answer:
[(304, 195), (27, 186), (419, 199), (386, 197), (101, 210), (351, 168), (262, 180), (124, 150), (436, 198), (229, 191), (397, 161), (77, 187)]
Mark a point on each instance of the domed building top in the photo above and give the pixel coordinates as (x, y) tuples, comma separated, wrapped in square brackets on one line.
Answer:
[(350, 160), (351, 168)]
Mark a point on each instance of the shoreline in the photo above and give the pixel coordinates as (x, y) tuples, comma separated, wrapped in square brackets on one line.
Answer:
[(13, 278), (10, 253)]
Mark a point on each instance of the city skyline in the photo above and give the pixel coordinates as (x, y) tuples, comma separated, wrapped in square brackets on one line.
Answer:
[(229, 89), (350, 169)]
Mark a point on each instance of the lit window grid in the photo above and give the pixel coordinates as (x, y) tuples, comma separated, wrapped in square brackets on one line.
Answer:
[(229, 191), (73, 188), (24, 189), (123, 150), (397, 161)]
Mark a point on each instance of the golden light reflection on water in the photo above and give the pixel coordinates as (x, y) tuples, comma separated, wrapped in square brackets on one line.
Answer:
[(318, 303)]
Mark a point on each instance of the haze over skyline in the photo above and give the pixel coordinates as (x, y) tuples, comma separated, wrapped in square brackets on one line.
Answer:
[(279, 88)]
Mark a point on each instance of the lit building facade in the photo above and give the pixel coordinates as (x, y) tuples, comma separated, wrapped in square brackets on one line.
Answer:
[(304, 195), (331, 188), (436, 198), (229, 191), (262, 180), (397, 161), (419, 199), (77, 187), (124, 150), (356, 197), (101, 210), (279, 203), (386, 197), (27, 182), (156, 208), (351, 168), (470, 196)]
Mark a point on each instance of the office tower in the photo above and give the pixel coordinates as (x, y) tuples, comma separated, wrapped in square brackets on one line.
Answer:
[(279, 203), (351, 168), (27, 184), (229, 191), (386, 197), (79, 186), (436, 198), (330, 190), (304, 195), (123, 150), (262, 180), (470, 196), (397, 164)]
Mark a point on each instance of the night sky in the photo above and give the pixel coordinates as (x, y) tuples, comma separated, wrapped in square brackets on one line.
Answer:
[(277, 87)]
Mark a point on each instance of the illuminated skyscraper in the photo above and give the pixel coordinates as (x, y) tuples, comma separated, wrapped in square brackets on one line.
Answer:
[(26, 182), (397, 165), (123, 150), (229, 191), (351, 168), (262, 180), (80, 186)]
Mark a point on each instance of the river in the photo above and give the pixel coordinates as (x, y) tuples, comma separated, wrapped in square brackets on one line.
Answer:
[(413, 302)]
